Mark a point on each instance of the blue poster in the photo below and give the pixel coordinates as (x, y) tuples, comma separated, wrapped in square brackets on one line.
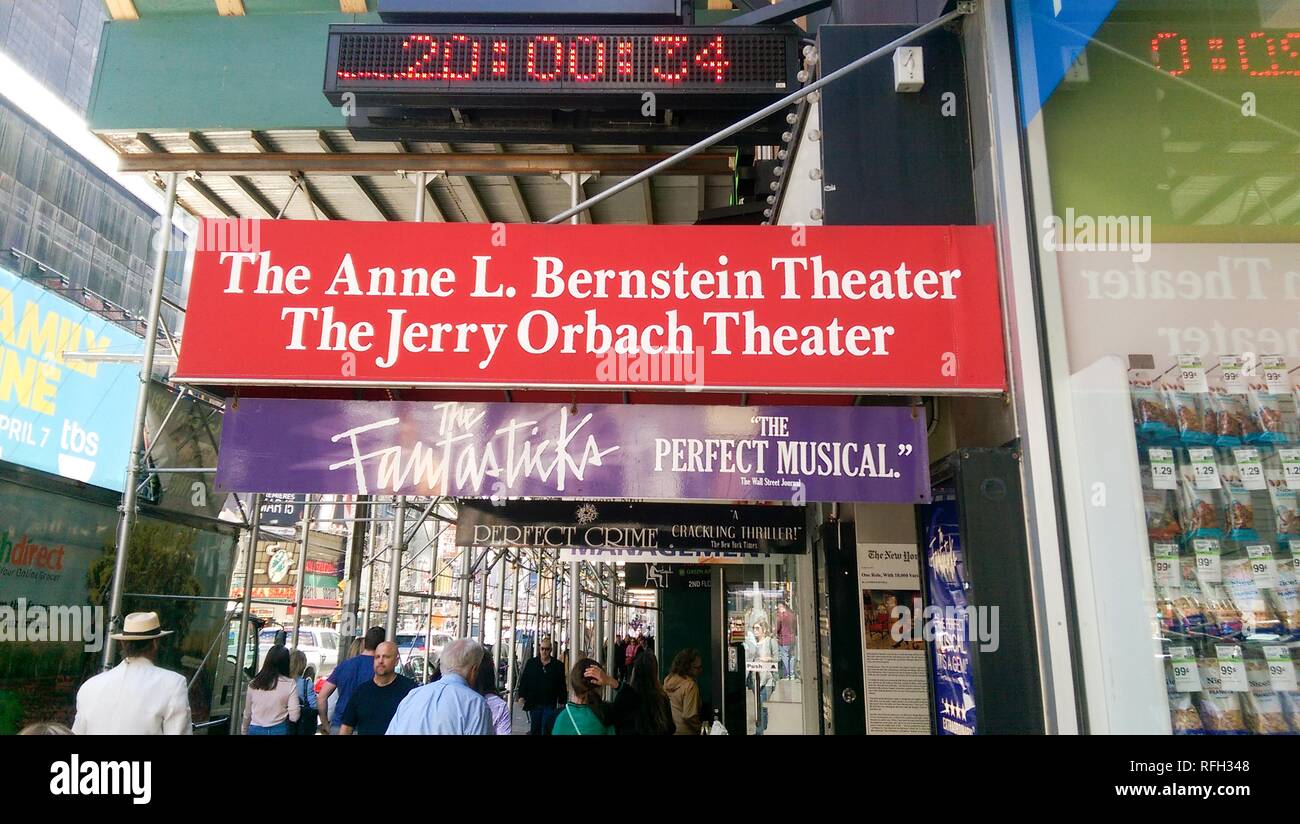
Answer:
[(954, 688), (65, 417)]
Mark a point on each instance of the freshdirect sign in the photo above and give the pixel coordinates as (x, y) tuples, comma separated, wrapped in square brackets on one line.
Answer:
[(666, 452), (847, 308), (69, 418)]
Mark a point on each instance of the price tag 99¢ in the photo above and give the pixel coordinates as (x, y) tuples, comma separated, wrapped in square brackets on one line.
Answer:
[(1263, 567), (1281, 669), (1230, 368), (1191, 373), (1167, 572), (1209, 560), (1187, 678), (1232, 668), (1275, 375)]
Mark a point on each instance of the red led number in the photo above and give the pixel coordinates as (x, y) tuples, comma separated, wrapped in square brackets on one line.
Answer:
[(594, 57), (452, 51), (540, 65), (713, 60), (670, 45), (1259, 54)]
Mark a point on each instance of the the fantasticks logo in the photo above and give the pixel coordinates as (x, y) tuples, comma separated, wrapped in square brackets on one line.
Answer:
[(943, 556), (126, 778)]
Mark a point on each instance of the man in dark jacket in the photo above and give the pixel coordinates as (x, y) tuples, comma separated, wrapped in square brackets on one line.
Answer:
[(542, 689)]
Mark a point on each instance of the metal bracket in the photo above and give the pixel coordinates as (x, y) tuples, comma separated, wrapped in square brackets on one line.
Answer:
[(966, 6)]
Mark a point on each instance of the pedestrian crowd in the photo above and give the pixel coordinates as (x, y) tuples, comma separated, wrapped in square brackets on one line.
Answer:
[(366, 695)]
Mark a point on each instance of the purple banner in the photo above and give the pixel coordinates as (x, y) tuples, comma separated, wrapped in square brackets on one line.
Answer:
[(723, 453)]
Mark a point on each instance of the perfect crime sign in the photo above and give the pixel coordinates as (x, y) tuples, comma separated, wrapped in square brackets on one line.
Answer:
[(869, 309)]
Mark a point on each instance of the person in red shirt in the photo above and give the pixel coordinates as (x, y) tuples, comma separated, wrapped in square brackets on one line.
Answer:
[(786, 637)]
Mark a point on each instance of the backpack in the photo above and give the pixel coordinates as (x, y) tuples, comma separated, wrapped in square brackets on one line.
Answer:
[(307, 717)]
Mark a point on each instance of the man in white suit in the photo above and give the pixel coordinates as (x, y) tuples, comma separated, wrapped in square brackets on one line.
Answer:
[(136, 697)]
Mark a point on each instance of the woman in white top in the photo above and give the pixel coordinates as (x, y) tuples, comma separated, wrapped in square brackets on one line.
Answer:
[(272, 700)]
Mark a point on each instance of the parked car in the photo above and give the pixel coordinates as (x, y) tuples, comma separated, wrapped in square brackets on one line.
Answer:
[(320, 644), (411, 652)]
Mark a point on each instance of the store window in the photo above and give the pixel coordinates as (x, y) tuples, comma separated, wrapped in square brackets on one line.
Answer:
[(1161, 141)]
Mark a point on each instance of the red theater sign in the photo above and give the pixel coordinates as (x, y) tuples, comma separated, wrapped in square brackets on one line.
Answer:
[(846, 308)]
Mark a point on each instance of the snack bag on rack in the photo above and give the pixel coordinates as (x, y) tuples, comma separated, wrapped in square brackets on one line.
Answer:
[(1162, 517), (1266, 411), (1193, 415), (1200, 508), (1152, 417), (1223, 618), (1183, 717), (1264, 712), (1285, 598), (1247, 599), (1239, 514), (1221, 712), (1188, 601), (1233, 424), (1286, 519)]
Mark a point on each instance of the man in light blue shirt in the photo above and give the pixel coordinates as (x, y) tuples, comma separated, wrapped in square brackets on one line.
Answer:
[(448, 706)]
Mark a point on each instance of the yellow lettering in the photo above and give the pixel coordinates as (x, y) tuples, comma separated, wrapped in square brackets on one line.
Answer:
[(39, 338), (7, 315), (45, 388), (17, 377)]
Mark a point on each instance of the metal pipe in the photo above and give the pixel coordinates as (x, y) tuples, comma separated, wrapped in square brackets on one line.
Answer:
[(130, 490), (514, 640), (462, 619), (353, 566), (575, 188), (761, 114), (421, 182), (237, 699), (576, 622), (428, 619), (395, 567), (302, 574), (482, 599), (501, 610), (613, 608)]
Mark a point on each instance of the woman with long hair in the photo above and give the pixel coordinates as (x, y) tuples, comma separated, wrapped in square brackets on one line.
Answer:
[(683, 691), (271, 704), (301, 675), (487, 687), (587, 712), (653, 715)]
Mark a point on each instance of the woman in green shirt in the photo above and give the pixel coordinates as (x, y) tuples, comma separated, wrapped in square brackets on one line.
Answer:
[(587, 713)]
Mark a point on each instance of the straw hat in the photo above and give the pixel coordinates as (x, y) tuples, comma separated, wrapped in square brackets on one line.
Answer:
[(141, 626)]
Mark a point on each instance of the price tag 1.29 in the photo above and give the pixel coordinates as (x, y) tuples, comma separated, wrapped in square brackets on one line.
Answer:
[(1262, 565), (1234, 383), (1290, 467), (1191, 373), (1165, 565), (1163, 475), (1250, 468), (1281, 669), (1232, 668), (1205, 470), (1275, 374), (1209, 560)]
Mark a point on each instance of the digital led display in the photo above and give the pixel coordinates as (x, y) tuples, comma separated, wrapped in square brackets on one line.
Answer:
[(426, 59), (1201, 53)]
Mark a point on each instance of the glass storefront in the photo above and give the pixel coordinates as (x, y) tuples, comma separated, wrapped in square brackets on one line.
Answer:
[(56, 553), (1160, 141)]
